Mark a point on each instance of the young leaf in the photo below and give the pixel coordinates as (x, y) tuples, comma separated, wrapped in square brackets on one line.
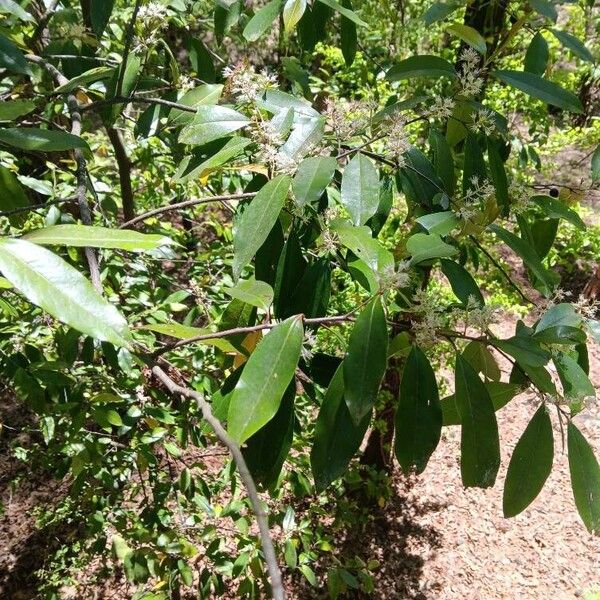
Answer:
[(262, 20), (421, 66), (423, 246), (266, 376), (42, 140), (313, 176), (530, 464), (211, 123), (585, 478), (419, 414), (480, 444), (540, 88), (96, 237), (337, 438), (256, 293), (360, 189), (254, 225), (292, 13), (49, 282), (365, 360)]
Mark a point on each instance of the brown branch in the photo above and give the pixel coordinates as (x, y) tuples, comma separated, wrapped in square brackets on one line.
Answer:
[(250, 329), (34, 207), (138, 98), (277, 590), (43, 21), (125, 165), (185, 204)]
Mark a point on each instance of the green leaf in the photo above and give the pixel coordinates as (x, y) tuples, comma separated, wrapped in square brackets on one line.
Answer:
[(348, 38), (482, 360), (254, 225), (424, 65), (360, 189), (349, 14), (42, 140), (576, 384), (202, 61), (266, 451), (555, 209), (537, 55), (480, 444), (203, 95), (262, 20), (100, 12), (337, 438), (13, 8), (468, 35), (530, 464), (462, 283), (540, 88), (13, 109), (544, 8), (419, 414), (498, 174), (290, 270), (313, 176), (562, 314), (585, 478), (91, 76), (256, 293), (474, 163), (12, 195), (596, 165), (212, 123), (47, 281), (442, 160), (184, 332), (500, 393), (440, 223), (525, 349), (575, 45), (529, 256), (366, 360), (423, 246), (97, 237), (292, 13), (362, 243), (266, 376), (11, 58), (438, 11), (311, 297)]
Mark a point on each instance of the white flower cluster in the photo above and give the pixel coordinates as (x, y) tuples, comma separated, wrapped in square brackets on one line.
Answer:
[(246, 84), (519, 196), (483, 120), (151, 20), (329, 241), (345, 119), (309, 342), (397, 143), (394, 276), (478, 191), (476, 315), (588, 308), (442, 108), (269, 142), (430, 319), (469, 77)]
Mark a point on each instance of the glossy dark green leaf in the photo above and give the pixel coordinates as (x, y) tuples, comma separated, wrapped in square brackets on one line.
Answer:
[(11, 58), (500, 393), (13, 109), (360, 189), (366, 360), (254, 225), (498, 174), (419, 181), (480, 444), (42, 140), (262, 20), (585, 478), (545, 8), (12, 195), (474, 163), (290, 270), (348, 38), (440, 223), (419, 414), (443, 160), (267, 374), (561, 334), (540, 88), (575, 45), (482, 360), (202, 95), (266, 451), (337, 438), (576, 384), (100, 12), (49, 282), (596, 165), (562, 314), (211, 123), (91, 76), (537, 55), (311, 297), (557, 210), (543, 234), (313, 176), (529, 256), (463, 285), (349, 14), (525, 349), (202, 60), (530, 464), (421, 66), (438, 11)]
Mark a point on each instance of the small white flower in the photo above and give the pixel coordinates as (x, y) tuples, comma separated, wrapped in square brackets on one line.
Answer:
[(397, 143), (246, 84), (483, 120), (442, 108)]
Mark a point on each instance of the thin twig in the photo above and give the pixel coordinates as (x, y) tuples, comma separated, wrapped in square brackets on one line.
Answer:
[(277, 590), (34, 207), (250, 329), (118, 99), (185, 204)]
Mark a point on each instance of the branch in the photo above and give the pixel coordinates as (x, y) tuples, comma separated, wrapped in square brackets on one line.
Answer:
[(24, 209), (251, 329), (124, 164), (43, 21), (185, 204), (235, 451), (137, 98)]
